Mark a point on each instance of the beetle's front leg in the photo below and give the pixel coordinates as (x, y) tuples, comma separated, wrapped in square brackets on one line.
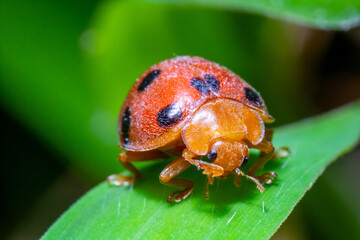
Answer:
[(209, 168), (167, 177), (267, 153)]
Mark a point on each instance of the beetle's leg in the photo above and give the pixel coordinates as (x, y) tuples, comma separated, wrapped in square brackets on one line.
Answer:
[(266, 146), (263, 159), (209, 168), (267, 151), (125, 158), (167, 177)]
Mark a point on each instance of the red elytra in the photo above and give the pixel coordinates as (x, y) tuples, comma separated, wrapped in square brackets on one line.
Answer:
[(192, 107)]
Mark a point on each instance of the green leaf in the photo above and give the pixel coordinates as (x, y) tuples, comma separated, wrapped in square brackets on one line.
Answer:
[(141, 211), (331, 14)]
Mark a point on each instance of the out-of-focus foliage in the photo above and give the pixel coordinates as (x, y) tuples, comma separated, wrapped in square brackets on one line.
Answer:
[(331, 14), (43, 82), (142, 210)]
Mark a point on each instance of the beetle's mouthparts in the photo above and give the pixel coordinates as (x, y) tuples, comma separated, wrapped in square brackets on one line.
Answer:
[(256, 181)]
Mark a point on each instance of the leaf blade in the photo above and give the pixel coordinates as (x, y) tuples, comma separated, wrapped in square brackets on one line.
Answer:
[(142, 212)]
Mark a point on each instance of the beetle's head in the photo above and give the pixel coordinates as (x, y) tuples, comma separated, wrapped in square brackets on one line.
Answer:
[(228, 154)]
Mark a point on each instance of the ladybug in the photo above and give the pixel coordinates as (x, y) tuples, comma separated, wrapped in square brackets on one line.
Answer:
[(191, 107)]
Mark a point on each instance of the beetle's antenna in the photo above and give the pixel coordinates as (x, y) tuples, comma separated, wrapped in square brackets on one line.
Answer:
[(258, 184)]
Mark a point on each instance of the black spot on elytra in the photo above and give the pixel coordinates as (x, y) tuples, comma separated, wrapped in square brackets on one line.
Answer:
[(205, 86), (200, 85), (213, 83), (212, 155), (125, 125), (148, 80), (169, 115), (253, 97)]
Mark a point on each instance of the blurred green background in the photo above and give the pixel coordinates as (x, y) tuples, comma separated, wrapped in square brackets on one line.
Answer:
[(66, 67)]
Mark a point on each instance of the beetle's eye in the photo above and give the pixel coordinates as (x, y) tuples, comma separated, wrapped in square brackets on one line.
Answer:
[(245, 160), (212, 155)]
